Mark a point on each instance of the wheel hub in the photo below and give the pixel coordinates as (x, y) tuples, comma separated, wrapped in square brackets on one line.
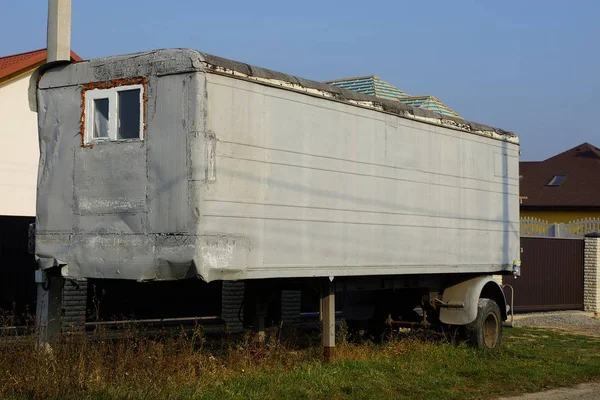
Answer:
[(491, 330)]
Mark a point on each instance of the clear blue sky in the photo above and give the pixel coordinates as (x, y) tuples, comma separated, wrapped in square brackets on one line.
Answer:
[(532, 67)]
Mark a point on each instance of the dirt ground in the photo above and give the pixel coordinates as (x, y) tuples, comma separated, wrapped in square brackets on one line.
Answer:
[(586, 391)]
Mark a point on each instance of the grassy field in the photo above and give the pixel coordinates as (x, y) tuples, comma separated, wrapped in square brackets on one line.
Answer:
[(408, 367)]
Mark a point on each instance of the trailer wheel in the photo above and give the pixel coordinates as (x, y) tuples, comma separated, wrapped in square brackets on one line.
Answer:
[(486, 331)]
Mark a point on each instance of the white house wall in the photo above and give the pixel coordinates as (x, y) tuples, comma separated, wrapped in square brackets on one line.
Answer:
[(19, 150)]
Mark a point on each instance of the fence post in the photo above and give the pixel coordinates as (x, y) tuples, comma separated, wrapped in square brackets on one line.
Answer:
[(555, 230), (591, 274)]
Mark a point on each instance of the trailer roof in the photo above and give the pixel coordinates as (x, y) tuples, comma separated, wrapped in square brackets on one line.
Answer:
[(173, 61)]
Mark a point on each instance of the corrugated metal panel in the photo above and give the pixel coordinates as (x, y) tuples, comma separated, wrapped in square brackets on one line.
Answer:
[(74, 305), (291, 302), (551, 275), (232, 298)]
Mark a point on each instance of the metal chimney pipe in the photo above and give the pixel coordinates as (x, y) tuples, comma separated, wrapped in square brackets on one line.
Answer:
[(59, 30)]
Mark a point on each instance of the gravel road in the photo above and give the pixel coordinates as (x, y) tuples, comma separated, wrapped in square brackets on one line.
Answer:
[(573, 321)]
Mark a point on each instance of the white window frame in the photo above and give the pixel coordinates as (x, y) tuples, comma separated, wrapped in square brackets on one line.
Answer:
[(112, 94)]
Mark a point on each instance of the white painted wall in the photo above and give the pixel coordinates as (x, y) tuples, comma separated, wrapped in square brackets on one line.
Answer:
[(19, 150)]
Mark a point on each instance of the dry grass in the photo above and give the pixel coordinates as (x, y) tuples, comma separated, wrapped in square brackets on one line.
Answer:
[(134, 366), (184, 366)]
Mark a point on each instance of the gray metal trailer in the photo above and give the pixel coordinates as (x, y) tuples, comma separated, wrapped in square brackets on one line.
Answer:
[(175, 164)]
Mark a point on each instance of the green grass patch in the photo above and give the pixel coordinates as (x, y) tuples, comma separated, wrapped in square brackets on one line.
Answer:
[(402, 368)]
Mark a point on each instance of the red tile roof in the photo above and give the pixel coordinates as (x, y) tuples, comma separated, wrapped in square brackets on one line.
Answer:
[(580, 189), (16, 63)]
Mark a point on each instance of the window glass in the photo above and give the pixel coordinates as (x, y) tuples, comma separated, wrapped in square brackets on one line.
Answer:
[(557, 180), (101, 118), (129, 114), (114, 113)]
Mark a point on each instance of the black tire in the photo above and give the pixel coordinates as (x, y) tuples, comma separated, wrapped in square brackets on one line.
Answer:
[(486, 331), (354, 331), (377, 326), (376, 330)]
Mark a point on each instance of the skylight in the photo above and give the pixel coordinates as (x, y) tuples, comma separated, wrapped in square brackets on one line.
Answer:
[(557, 180)]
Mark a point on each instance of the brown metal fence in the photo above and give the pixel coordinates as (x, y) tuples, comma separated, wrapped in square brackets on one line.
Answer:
[(551, 275)]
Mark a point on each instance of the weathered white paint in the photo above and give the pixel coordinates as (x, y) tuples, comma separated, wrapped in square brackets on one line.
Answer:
[(217, 255), (19, 149), (241, 178), (323, 188), (465, 297), (375, 105)]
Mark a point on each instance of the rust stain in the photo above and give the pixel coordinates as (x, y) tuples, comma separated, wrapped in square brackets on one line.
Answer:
[(140, 80)]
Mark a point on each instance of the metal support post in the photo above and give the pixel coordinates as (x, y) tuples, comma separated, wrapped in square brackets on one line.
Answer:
[(48, 308), (328, 307)]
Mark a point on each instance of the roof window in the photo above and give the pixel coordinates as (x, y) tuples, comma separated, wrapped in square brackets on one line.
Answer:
[(557, 180)]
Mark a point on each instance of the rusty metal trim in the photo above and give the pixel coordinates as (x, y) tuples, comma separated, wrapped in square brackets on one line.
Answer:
[(141, 80), (328, 354)]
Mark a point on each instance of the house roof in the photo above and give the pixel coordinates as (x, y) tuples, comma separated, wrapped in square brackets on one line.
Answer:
[(429, 103), (372, 84), (13, 65), (580, 187), (375, 86)]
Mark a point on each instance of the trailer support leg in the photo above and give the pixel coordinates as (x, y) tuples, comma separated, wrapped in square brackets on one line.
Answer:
[(48, 308), (328, 307)]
